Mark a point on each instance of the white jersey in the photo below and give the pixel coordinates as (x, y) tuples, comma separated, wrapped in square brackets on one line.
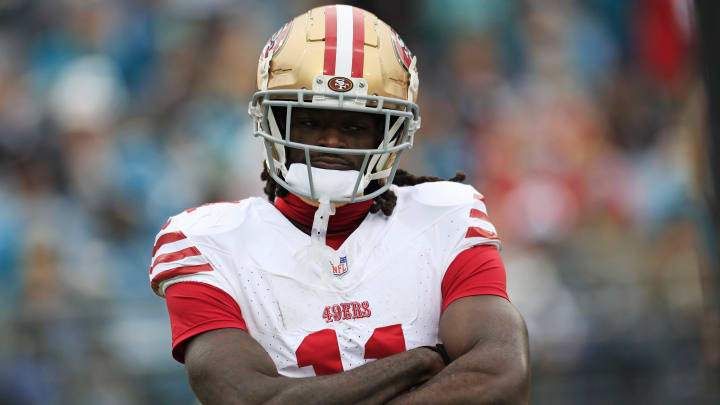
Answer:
[(378, 294)]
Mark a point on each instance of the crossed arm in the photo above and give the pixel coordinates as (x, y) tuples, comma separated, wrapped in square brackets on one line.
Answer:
[(484, 335), (488, 339)]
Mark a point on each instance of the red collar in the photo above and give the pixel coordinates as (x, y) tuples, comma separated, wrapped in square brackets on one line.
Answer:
[(346, 219)]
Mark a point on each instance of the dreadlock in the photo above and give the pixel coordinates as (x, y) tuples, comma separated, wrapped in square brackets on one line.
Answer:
[(385, 202), (272, 188)]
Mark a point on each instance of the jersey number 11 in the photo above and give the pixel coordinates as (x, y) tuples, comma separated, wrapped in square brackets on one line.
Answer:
[(321, 351)]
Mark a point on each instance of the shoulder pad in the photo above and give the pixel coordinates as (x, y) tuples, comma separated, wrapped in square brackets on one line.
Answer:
[(210, 218), (445, 194)]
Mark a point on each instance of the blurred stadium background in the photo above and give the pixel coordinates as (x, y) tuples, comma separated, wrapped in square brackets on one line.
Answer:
[(583, 123)]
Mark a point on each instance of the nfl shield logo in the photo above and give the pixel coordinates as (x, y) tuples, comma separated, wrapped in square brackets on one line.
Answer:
[(341, 268)]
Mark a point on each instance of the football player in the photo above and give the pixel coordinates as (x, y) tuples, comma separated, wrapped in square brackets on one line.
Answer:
[(357, 282)]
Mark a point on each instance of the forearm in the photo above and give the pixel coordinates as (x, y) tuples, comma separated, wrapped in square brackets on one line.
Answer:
[(453, 386), (487, 339), (373, 383)]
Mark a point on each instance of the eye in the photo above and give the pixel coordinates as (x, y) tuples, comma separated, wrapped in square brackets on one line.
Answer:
[(305, 123), (354, 127)]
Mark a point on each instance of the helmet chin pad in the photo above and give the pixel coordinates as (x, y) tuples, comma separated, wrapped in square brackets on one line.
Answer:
[(323, 183)]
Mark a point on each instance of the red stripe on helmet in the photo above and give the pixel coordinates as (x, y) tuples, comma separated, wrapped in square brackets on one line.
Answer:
[(330, 39), (358, 58)]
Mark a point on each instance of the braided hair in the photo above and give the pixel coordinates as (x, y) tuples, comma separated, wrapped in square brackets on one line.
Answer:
[(384, 202)]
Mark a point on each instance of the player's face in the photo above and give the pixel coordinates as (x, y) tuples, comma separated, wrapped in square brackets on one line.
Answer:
[(334, 129)]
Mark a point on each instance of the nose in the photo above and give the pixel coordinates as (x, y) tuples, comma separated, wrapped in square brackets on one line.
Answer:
[(332, 137)]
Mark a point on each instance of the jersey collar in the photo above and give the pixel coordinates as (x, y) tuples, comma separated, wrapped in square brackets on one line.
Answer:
[(346, 219)]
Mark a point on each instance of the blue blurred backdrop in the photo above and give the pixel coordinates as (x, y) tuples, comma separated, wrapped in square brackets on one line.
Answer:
[(581, 121)]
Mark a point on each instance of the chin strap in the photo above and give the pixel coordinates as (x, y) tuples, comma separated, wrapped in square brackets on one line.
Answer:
[(321, 221), (313, 258), (275, 132), (378, 161)]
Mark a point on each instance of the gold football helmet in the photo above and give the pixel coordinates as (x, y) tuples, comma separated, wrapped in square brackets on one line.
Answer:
[(341, 58)]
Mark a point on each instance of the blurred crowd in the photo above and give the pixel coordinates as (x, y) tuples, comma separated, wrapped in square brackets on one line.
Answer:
[(581, 121)]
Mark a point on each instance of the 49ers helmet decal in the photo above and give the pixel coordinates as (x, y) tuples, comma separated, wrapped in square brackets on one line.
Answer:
[(340, 84), (277, 40), (340, 58)]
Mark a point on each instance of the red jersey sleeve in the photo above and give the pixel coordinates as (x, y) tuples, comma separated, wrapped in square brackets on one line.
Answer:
[(475, 271), (195, 308)]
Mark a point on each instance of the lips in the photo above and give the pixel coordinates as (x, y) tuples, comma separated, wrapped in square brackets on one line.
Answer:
[(331, 162)]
